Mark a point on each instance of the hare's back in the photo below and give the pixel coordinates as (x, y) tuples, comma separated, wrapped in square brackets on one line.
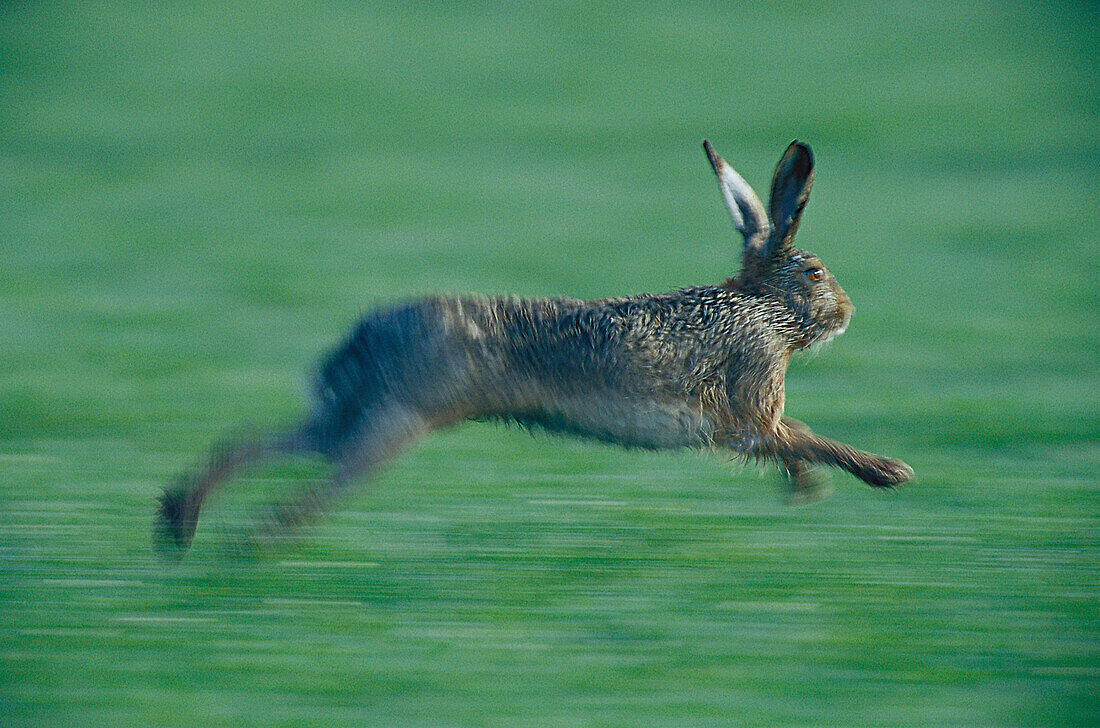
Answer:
[(609, 370)]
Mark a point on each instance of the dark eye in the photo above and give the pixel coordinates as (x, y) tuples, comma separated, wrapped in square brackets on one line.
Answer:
[(815, 275)]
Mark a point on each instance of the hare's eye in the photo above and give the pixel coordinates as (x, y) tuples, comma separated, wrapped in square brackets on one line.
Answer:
[(815, 275)]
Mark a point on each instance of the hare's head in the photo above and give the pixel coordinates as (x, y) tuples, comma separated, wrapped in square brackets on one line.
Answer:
[(772, 268)]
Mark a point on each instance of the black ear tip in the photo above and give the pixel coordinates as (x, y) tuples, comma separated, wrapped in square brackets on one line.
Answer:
[(711, 155), (801, 152)]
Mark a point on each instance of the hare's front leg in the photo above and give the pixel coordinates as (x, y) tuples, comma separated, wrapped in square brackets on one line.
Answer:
[(805, 482), (794, 442)]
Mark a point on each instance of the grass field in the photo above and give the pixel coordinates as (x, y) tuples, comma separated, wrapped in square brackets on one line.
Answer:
[(196, 199)]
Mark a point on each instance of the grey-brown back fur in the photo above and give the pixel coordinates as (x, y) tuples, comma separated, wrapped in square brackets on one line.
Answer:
[(699, 367)]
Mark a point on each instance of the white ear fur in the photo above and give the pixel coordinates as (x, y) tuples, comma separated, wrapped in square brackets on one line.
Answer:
[(749, 217)]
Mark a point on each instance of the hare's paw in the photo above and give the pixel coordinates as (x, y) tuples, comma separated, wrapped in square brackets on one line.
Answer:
[(174, 524), (806, 484), (805, 493), (888, 472), (169, 537)]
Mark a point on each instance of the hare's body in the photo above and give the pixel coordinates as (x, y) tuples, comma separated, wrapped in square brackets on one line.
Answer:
[(699, 367), (654, 372)]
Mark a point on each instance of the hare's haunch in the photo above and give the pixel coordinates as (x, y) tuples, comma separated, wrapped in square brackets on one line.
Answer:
[(700, 367)]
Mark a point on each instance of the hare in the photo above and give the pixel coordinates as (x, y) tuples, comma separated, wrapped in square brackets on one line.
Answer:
[(699, 367)]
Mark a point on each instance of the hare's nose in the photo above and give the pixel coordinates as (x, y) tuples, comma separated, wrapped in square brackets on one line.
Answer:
[(845, 305)]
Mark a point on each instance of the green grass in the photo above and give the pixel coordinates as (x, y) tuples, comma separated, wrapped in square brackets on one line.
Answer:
[(196, 199)]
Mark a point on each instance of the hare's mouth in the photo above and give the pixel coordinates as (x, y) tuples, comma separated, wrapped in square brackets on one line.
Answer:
[(816, 345), (836, 331), (833, 332)]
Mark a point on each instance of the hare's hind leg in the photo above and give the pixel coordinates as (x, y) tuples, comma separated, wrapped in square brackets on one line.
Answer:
[(798, 444), (383, 435), (180, 503)]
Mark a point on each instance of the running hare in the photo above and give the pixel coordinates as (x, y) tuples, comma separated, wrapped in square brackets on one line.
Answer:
[(700, 367)]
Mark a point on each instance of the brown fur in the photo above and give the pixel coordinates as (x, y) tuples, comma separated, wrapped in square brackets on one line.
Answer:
[(700, 367)]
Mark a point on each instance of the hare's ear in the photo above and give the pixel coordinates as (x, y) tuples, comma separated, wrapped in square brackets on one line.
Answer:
[(748, 214), (794, 175)]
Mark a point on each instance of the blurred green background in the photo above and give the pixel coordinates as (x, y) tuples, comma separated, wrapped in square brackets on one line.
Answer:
[(197, 198)]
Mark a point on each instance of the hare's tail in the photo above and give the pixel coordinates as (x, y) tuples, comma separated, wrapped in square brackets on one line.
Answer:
[(179, 505)]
